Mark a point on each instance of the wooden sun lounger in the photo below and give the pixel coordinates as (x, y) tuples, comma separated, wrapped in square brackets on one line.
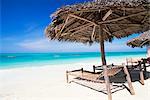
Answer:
[(106, 72), (138, 65), (145, 62)]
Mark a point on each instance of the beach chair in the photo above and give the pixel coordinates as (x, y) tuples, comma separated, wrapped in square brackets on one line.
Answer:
[(132, 63), (145, 62), (100, 69), (137, 65), (106, 72)]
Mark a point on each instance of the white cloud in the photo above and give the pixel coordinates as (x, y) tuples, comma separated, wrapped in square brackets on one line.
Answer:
[(35, 45), (44, 45), (121, 46)]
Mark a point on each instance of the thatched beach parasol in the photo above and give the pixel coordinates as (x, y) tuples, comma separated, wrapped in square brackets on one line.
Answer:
[(142, 40), (99, 21)]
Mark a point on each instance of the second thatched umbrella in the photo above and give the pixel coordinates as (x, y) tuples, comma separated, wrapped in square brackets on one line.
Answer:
[(99, 21), (142, 40)]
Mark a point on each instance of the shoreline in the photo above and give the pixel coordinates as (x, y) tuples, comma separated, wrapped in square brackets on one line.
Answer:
[(96, 60)]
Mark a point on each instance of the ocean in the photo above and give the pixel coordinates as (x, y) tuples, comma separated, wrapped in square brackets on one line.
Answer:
[(15, 60)]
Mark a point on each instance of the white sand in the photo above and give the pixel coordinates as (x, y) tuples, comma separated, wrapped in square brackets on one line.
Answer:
[(49, 83)]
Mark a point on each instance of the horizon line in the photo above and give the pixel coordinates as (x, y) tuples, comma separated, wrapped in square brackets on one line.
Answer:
[(75, 52)]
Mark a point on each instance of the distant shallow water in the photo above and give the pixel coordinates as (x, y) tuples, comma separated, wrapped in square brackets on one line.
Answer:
[(13, 60)]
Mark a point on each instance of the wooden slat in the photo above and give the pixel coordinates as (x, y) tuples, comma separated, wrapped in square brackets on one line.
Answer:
[(113, 71), (107, 31), (93, 32), (69, 23), (123, 17), (127, 19), (71, 15), (120, 31), (63, 34), (129, 24), (144, 18), (80, 27), (107, 15), (64, 24), (76, 25), (143, 43), (57, 35), (129, 9), (128, 79)]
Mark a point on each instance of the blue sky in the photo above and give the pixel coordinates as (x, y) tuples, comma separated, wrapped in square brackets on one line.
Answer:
[(23, 23)]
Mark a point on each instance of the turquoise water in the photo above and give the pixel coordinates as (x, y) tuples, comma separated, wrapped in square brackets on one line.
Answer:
[(11, 60)]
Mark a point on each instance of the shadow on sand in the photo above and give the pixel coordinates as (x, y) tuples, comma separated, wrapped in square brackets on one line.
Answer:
[(118, 82)]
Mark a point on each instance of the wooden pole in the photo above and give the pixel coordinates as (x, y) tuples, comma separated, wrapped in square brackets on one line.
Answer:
[(94, 68), (102, 38), (82, 71), (141, 74), (107, 82), (102, 47), (128, 79), (67, 77), (145, 70)]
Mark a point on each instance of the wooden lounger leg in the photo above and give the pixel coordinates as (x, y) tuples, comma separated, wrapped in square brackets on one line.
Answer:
[(107, 82), (128, 78), (67, 78), (141, 74), (141, 77), (145, 70), (82, 71), (94, 68)]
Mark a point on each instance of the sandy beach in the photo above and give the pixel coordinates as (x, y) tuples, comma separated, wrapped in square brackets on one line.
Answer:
[(49, 83), (42, 42)]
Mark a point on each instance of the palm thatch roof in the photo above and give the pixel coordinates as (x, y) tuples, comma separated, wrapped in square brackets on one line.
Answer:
[(142, 40), (84, 22)]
